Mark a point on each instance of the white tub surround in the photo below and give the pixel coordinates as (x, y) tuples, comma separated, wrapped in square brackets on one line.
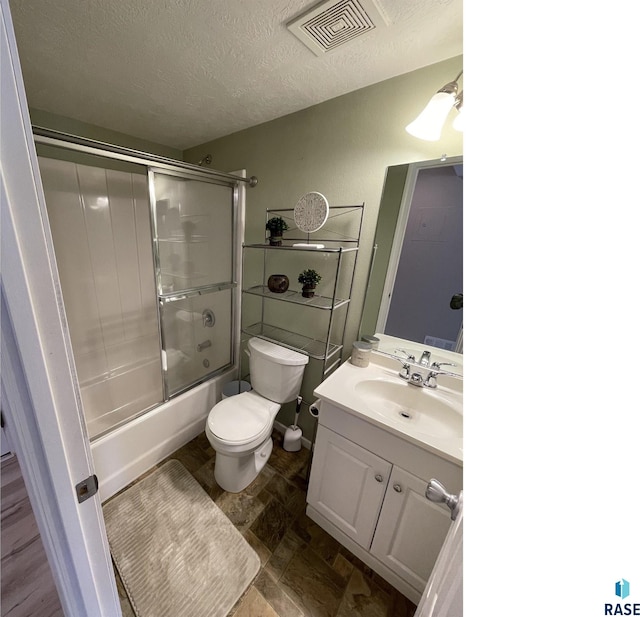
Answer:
[(126, 453)]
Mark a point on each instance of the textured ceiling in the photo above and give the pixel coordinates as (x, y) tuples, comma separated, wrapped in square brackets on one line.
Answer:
[(184, 72)]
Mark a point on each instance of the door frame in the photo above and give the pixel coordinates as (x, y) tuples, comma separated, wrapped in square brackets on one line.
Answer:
[(40, 395)]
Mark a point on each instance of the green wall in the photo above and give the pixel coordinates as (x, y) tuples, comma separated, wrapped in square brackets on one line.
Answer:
[(390, 202), (342, 149)]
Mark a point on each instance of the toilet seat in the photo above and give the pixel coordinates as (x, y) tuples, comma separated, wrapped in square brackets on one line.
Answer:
[(242, 419)]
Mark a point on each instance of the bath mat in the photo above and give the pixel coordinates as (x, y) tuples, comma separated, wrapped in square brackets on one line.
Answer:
[(176, 552)]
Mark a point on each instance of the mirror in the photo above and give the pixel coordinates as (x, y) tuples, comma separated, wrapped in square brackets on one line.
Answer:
[(415, 282)]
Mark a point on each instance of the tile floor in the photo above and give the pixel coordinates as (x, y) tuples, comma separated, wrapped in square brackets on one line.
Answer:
[(304, 571)]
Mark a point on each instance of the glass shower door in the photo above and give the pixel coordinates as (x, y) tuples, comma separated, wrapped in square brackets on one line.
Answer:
[(193, 220)]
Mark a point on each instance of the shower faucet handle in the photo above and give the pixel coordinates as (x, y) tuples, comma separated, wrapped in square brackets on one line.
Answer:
[(208, 318)]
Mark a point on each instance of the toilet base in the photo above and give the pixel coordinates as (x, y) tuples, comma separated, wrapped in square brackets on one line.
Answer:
[(234, 473)]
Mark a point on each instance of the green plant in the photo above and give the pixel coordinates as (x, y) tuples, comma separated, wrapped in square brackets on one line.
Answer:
[(276, 225), (309, 278)]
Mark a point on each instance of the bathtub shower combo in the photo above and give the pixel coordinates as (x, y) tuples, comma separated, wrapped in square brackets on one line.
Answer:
[(147, 251)]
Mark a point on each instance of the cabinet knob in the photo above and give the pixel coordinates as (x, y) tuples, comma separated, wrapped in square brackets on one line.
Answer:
[(379, 478), (397, 488)]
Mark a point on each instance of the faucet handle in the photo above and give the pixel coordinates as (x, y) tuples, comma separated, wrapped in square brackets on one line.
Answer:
[(405, 355), (437, 365), (405, 372)]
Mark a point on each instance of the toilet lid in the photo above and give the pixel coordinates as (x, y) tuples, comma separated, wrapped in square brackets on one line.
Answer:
[(241, 418)]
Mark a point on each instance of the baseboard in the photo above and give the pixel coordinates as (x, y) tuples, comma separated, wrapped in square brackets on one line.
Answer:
[(282, 428)]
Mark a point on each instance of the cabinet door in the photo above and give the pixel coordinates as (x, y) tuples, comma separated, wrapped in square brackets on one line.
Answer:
[(347, 485), (411, 529)]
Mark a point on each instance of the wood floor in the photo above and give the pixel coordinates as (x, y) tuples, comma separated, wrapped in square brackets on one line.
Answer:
[(27, 588)]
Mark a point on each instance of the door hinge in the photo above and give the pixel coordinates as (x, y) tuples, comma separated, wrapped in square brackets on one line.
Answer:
[(87, 488)]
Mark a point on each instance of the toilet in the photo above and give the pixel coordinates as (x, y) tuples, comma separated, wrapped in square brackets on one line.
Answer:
[(239, 427)]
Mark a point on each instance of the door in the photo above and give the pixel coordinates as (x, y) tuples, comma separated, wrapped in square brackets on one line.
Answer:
[(411, 529), (347, 485), (443, 595), (40, 398), (194, 245)]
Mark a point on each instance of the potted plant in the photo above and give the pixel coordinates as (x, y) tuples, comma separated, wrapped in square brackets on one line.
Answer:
[(276, 225), (309, 280)]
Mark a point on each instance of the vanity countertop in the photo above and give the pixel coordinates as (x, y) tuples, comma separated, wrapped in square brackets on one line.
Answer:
[(428, 418)]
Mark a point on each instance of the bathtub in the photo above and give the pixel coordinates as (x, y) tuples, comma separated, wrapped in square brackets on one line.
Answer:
[(127, 452)]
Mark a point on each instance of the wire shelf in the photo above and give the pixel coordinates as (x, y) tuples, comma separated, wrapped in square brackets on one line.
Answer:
[(314, 348), (321, 302)]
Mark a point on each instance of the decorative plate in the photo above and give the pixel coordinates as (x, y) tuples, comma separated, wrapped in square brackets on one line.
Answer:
[(311, 212)]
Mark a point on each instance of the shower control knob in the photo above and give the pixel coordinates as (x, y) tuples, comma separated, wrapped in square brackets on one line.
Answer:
[(208, 318), (379, 478)]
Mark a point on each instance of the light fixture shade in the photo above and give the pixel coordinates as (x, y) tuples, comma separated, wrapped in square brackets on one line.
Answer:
[(428, 125), (458, 121)]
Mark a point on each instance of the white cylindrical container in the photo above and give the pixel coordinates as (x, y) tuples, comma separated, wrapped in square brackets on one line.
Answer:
[(361, 354)]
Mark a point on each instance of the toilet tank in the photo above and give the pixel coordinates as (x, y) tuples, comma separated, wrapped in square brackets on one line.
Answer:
[(276, 372)]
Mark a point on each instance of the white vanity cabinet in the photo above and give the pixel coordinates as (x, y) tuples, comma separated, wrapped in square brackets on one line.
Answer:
[(347, 485), (410, 530), (367, 489)]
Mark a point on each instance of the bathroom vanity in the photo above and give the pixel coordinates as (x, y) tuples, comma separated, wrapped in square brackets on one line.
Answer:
[(379, 442)]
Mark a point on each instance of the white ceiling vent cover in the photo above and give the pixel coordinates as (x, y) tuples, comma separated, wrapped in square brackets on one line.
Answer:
[(333, 23)]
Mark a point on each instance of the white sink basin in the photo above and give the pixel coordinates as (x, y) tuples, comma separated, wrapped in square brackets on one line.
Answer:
[(430, 418), (417, 409)]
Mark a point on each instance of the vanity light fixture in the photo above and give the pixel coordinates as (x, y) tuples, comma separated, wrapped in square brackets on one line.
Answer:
[(458, 121), (428, 125)]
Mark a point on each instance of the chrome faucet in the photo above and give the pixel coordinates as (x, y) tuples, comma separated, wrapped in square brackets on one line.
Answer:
[(437, 365), (421, 379), (405, 372), (431, 379), (405, 355)]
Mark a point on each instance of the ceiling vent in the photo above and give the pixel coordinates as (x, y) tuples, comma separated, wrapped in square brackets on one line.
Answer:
[(334, 23)]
